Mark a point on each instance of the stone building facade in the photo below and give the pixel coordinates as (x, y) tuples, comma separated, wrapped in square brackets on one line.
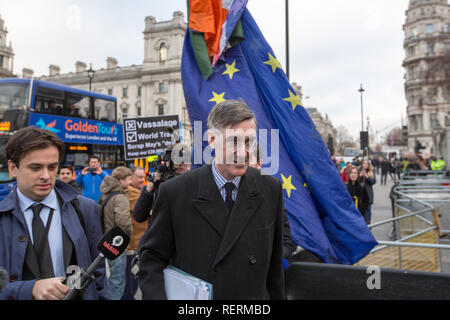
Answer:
[(6, 53), (427, 41), (149, 89), (324, 126)]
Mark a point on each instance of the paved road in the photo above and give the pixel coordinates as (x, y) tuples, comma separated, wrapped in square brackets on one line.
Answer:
[(381, 208)]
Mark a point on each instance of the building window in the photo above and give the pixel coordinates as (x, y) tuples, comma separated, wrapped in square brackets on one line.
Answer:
[(413, 72), (162, 52), (110, 91), (412, 51), (1, 62), (160, 109), (139, 91), (430, 47), (414, 32), (417, 122), (161, 87), (434, 122), (124, 113), (139, 111), (125, 92), (447, 27), (447, 47), (429, 29)]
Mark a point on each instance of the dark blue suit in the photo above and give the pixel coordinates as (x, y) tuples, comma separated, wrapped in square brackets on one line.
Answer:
[(14, 239)]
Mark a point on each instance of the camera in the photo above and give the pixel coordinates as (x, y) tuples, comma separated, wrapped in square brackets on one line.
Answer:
[(164, 166), (92, 170)]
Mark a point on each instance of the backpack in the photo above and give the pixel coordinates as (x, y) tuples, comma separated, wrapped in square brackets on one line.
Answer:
[(103, 204)]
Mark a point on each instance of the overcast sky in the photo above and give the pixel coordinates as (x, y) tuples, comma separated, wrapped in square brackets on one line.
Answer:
[(335, 45)]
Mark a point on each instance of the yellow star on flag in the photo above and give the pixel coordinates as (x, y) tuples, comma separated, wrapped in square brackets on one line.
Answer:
[(287, 184), (273, 63), (217, 98), (293, 99), (231, 69)]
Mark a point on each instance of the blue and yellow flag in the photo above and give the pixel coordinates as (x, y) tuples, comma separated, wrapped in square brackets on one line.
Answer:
[(322, 214)]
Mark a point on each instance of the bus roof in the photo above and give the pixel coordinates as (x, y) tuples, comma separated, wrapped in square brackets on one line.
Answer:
[(61, 87)]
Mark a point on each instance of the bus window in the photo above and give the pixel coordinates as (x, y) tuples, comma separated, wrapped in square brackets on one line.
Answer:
[(105, 110), (49, 101), (4, 173), (13, 110), (77, 106)]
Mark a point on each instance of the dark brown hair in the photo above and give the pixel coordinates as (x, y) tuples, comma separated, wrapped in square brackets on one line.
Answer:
[(29, 139), (93, 157)]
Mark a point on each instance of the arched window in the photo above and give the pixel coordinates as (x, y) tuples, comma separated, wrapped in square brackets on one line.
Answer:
[(162, 52)]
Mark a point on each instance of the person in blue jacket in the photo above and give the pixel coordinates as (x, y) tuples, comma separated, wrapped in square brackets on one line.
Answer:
[(91, 178), (46, 227)]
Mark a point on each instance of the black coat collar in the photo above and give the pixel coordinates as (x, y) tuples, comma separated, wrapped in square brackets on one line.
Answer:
[(211, 206)]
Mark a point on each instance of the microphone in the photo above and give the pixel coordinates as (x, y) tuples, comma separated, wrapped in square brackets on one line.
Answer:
[(111, 245), (3, 279)]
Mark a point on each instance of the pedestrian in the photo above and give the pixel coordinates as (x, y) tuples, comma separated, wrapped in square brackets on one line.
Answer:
[(399, 168), (375, 164), (66, 175), (392, 169), (441, 165), (115, 211), (345, 171), (144, 204), (132, 193), (385, 169), (45, 225), (368, 179), (223, 222), (433, 164), (91, 178), (358, 191)]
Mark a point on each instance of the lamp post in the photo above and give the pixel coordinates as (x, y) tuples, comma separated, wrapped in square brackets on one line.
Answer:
[(90, 73), (361, 91)]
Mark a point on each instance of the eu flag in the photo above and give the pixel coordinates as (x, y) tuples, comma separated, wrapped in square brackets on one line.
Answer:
[(322, 215)]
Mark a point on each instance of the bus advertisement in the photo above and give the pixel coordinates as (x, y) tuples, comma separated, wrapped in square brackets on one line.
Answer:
[(85, 121)]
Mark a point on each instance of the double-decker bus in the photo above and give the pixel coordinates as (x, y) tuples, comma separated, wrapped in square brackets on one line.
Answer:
[(86, 121)]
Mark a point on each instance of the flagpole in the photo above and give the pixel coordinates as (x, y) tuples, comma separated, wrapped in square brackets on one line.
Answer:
[(287, 39)]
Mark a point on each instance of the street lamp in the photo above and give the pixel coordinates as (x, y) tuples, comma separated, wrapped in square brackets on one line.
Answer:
[(361, 91), (90, 73)]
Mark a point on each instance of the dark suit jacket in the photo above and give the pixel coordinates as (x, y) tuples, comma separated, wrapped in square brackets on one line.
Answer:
[(240, 253)]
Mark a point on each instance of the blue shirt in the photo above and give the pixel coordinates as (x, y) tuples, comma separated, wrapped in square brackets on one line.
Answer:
[(55, 231), (90, 183), (221, 181)]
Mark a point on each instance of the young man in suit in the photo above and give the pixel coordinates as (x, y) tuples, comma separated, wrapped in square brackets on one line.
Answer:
[(41, 232), (222, 223)]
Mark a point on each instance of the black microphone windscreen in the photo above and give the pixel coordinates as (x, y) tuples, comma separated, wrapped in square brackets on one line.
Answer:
[(113, 243), (3, 279)]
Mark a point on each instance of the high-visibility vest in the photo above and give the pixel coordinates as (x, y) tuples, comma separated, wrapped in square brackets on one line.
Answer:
[(433, 165), (440, 165)]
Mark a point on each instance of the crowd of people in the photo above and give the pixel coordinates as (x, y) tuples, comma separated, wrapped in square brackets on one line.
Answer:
[(360, 176), (53, 220)]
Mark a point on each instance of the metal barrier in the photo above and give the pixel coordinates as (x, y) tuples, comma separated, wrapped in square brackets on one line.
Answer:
[(417, 234)]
